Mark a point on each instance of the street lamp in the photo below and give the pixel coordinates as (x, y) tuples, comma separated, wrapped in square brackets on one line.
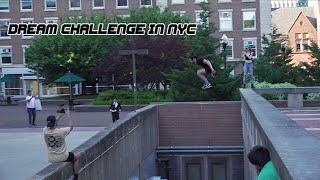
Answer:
[(224, 42), (283, 47), (133, 54), (36, 65)]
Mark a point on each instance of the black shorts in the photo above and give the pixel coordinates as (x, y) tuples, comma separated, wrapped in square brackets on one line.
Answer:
[(70, 157), (208, 70)]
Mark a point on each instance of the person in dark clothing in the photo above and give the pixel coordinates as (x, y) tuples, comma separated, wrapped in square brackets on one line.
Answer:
[(208, 68), (115, 108)]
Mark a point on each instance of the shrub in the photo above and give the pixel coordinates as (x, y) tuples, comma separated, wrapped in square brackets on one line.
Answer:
[(274, 96), (127, 97), (313, 96)]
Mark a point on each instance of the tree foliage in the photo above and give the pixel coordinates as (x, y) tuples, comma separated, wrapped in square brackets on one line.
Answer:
[(56, 55), (311, 72), (165, 51), (185, 84), (274, 65)]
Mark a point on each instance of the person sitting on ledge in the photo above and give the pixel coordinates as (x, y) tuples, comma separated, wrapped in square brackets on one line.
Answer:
[(260, 158), (56, 144)]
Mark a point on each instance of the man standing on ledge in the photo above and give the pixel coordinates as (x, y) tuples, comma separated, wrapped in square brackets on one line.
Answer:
[(55, 140)]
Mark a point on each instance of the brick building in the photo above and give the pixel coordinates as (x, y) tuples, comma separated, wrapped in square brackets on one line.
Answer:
[(240, 20), (299, 26), (302, 32)]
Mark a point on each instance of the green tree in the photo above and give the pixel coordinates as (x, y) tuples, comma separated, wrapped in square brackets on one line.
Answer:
[(274, 64), (56, 55), (165, 51), (185, 84), (311, 72)]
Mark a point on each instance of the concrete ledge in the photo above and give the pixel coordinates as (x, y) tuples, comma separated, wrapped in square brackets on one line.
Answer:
[(92, 108), (287, 141), (114, 153), (294, 90)]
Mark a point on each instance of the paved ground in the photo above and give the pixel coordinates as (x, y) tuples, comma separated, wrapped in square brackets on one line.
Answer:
[(23, 152), (17, 117), (306, 118)]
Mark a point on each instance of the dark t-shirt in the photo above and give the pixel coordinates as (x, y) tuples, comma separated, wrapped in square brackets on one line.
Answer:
[(200, 62)]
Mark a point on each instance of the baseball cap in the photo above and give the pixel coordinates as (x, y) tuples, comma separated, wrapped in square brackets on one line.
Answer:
[(50, 121), (247, 46)]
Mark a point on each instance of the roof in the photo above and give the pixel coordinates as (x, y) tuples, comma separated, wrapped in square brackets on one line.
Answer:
[(283, 18)]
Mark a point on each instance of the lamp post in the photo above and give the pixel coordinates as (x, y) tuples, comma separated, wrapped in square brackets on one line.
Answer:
[(133, 54), (283, 47), (36, 65), (224, 42)]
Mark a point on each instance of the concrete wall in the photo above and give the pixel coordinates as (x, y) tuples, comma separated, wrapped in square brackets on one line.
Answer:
[(294, 152), (116, 152)]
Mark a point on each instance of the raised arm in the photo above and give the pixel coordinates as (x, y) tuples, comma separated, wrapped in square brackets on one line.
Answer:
[(70, 121)]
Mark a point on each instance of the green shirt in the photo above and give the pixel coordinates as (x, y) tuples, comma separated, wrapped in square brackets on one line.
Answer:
[(268, 172)]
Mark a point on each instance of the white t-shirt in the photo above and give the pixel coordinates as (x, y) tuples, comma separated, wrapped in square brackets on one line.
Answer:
[(55, 141), (31, 103)]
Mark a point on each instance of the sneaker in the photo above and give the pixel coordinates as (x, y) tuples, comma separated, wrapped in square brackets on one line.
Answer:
[(207, 86)]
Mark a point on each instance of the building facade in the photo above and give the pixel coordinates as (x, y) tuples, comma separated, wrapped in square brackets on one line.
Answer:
[(240, 20), (299, 28), (302, 32)]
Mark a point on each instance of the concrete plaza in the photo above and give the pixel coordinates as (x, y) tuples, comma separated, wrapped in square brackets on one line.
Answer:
[(23, 152)]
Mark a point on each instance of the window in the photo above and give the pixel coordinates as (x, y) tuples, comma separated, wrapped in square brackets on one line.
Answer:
[(26, 5), (4, 5), (229, 49), (200, 1), (24, 47), (122, 4), (219, 171), (249, 20), (224, 1), (75, 4), (298, 36), (6, 55), (27, 20), (98, 4), (145, 2), (177, 2), (181, 13), (50, 20), (50, 5), (225, 18), (298, 45), (252, 42), (305, 35), (193, 171), (199, 21), (4, 23), (305, 42)]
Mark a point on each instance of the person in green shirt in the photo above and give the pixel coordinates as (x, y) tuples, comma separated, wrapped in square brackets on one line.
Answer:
[(259, 156)]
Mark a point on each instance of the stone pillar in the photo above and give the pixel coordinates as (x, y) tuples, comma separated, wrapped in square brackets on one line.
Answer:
[(3, 88), (205, 168), (24, 87), (295, 100), (265, 20)]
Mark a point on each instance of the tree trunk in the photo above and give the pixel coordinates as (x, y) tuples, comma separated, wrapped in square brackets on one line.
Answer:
[(158, 85), (93, 90), (84, 89)]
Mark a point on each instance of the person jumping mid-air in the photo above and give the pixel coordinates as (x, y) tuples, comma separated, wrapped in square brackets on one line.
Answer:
[(208, 68)]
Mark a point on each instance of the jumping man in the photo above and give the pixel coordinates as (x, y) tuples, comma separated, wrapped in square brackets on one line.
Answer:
[(208, 68)]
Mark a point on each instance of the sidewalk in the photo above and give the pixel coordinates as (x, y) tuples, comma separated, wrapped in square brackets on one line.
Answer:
[(23, 152)]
